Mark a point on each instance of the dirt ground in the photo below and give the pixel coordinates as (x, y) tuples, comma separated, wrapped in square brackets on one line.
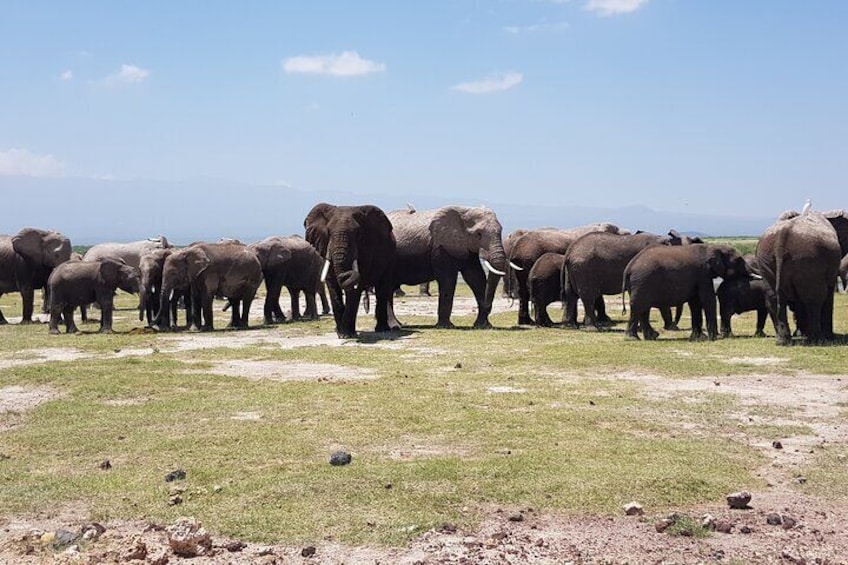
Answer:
[(779, 526)]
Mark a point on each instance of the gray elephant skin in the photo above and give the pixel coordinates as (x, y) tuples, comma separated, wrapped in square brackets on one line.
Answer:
[(843, 273), (150, 290), (359, 248), (663, 276), (293, 263), (209, 270), (77, 283), (740, 295), (130, 252), (26, 262), (440, 244), (798, 257), (532, 245)]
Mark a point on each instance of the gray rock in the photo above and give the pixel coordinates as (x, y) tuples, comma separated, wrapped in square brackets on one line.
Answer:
[(633, 509), (774, 519), (339, 458), (188, 538), (739, 500)]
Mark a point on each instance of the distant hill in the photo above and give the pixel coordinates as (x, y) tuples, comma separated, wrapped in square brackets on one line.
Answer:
[(91, 211)]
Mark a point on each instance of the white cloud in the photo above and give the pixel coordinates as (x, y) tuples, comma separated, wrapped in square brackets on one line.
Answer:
[(537, 28), (129, 74), (494, 83), (20, 162), (614, 7), (346, 64), (67, 75)]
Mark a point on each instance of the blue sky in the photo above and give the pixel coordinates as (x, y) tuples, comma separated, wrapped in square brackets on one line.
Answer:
[(712, 106)]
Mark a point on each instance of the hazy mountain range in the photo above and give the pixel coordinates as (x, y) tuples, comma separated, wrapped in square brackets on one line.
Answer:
[(90, 211)]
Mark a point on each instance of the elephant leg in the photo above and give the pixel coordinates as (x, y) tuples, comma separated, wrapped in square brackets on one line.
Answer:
[(633, 324), (668, 322), (294, 300), (648, 332), (325, 304), (424, 289), (726, 313), (391, 318), (272, 301), (106, 307), (524, 317), (761, 322), (45, 300), (55, 319), (475, 278), (543, 320), (447, 289), (311, 312), (590, 318), (3, 320), (204, 311), (235, 313), (569, 314), (348, 326), (814, 322), (601, 308), (68, 315), (384, 295), (28, 298), (827, 314), (695, 311), (244, 323)]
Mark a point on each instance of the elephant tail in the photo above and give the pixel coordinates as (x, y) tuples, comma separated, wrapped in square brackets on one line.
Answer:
[(778, 263), (625, 286), (367, 301), (563, 273)]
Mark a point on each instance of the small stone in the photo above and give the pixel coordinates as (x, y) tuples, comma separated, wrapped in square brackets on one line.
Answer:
[(160, 557), (777, 445), (746, 530), (708, 522), (793, 558), (64, 538), (234, 546), (105, 465), (188, 538), (217, 488), (800, 480), (447, 528), (48, 538), (739, 500), (175, 500), (339, 458), (774, 519), (458, 366), (388, 486), (518, 517), (92, 531), (789, 522), (663, 525), (177, 475), (308, 551), (633, 509), (724, 526), (265, 551), (591, 403), (134, 550)]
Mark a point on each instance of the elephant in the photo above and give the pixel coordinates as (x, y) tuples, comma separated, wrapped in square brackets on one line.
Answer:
[(130, 252), (26, 261), (545, 282), (739, 295), (843, 273), (439, 244), (291, 262), (662, 275), (359, 250), (509, 280), (209, 270), (150, 289), (77, 283), (799, 257), (532, 245)]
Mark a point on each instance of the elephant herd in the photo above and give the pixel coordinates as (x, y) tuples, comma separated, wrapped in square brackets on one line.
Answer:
[(360, 250)]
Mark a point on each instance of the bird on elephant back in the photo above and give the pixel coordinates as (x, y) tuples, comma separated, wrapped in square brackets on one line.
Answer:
[(664, 276), (799, 258), (26, 262), (439, 245), (529, 247), (358, 248)]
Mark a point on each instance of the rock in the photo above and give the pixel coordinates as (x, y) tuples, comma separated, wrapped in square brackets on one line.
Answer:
[(64, 538), (134, 550), (518, 517), (708, 522), (663, 525), (746, 530), (789, 522), (773, 519), (307, 551), (93, 531), (339, 458), (188, 538), (177, 475), (739, 500), (800, 480), (633, 509), (793, 557), (160, 557), (447, 528), (777, 445), (47, 538), (175, 500), (458, 366), (234, 546), (105, 465), (724, 526)]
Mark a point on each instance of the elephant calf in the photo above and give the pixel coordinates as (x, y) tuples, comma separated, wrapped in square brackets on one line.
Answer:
[(742, 295), (77, 283)]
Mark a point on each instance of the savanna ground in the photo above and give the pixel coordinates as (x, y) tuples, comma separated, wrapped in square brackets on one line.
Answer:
[(510, 445)]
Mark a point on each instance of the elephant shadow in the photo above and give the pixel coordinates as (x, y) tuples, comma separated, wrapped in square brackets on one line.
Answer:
[(372, 338)]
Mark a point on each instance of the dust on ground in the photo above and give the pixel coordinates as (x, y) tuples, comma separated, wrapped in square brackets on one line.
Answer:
[(286, 371)]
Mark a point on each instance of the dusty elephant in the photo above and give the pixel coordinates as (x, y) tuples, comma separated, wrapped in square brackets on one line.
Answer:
[(532, 245), (291, 262), (77, 283), (130, 252), (26, 261), (440, 244), (150, 289), (843, 273), (359, 250), (740, 295), (545, 283), (663, 276), (799, 258), (209, 270)]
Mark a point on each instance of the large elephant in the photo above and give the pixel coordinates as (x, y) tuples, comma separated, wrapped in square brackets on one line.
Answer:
[(843, 273), (26, 261), (77, 283), (150, 289), (359, 247), (209, 270), (742, 294), (291, 262), (664, 276), (510, 283), (532, 245), (440, 244), (130, 252), (799, 258)]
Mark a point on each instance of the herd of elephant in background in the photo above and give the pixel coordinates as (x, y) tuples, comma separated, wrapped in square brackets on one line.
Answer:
[(359, 250)]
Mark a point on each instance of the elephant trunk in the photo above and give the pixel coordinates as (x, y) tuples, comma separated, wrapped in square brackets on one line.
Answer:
[(142, 301), (497, 265), (163, 317), (342, 257)]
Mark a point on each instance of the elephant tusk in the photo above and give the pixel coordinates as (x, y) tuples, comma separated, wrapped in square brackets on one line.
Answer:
[(492, 269), (325, 270), (515, 267), (755, 277)]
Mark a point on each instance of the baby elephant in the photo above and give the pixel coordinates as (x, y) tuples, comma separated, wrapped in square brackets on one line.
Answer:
[(742, 295), (77, 283)]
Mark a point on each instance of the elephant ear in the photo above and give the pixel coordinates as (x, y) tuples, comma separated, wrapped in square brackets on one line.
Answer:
[(109, 271), (449, 232), (377, 225), (197, 261), (788, 215), (317, 233), (29, 244), (715, 262), (839, 221)]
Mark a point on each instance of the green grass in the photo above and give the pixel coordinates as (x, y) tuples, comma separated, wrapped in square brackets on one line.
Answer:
[(576, 440)]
